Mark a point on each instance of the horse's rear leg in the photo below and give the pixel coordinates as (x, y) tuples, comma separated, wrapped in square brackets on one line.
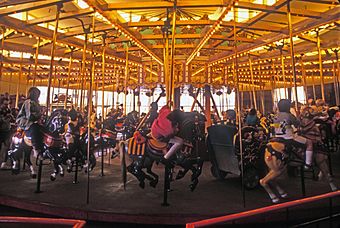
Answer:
[(30, 165), (275, 170), (322, 163), (154, 181), (138, 173)]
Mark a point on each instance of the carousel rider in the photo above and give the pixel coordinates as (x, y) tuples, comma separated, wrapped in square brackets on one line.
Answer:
[(284, 124), (6, 119), (28, 117), (165, 129)]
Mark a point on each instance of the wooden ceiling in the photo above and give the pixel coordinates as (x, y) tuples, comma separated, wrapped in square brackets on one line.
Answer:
[(204, 40)]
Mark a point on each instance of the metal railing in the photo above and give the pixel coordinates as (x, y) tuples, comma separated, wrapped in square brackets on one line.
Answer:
[(48, 221), (264, 210)]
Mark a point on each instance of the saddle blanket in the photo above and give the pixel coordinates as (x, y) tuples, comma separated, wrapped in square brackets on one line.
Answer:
[(136, 149)]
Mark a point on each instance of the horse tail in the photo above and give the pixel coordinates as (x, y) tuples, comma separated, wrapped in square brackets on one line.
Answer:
[(123, 162)]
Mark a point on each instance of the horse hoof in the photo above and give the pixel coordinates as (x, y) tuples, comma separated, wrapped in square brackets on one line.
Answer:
[(153, 183), (62, 174), (69, 170), (15, 171), (180, 175), (34, 176), (142, 184), (333, 187), (52, 178), (275, 200), (193, 186), (284, 195)]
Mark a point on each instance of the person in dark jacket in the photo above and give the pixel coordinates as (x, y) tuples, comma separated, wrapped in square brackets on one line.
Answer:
[(28, 118), (252, 119)]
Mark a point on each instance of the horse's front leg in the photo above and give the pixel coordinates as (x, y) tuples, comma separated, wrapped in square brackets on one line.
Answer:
[(30, 165), (154, 180), (135, 168), (322, 163), (276, 168)]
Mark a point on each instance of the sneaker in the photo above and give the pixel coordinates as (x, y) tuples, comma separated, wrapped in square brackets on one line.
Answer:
[(307, 167)]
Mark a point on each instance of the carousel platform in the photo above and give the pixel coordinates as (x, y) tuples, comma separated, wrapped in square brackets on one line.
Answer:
[(109, 202)]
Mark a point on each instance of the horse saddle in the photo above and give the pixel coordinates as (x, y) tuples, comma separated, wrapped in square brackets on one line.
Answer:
[(285, 149), (155, 146), (108, 134)]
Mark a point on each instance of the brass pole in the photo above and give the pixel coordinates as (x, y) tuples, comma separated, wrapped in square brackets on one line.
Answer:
[(36, 62), (166, 65), (19, 81), (283, 73), (273, 82), (252, 81), (2, 51), (236, 76), (89, 110), (172, 77), (304, 78), (83, 79), (68, 79), (320, 65), (292, 54), (53, 85), (126, 76), (54, 40), (336, 85), (103, 80), (313, 84)]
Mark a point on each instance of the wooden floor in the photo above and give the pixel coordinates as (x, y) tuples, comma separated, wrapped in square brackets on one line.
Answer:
[(109, 202)]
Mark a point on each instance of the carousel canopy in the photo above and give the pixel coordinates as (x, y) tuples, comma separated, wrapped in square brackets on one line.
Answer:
[(144, 43)]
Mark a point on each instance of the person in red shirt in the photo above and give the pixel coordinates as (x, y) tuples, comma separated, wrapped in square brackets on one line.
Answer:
[(165, 130)]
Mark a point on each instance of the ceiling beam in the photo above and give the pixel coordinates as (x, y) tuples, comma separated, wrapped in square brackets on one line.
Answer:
[(16, 2), (30, 6), (134, 37), (125, 5), (45, 33), (273, 9), (329, 16), (63, 16), (210, 30)]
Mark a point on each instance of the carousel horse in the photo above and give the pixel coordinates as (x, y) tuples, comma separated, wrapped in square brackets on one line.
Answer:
[(254, 141), (144, 151), (280, 152), (53, 145), (76, 143)]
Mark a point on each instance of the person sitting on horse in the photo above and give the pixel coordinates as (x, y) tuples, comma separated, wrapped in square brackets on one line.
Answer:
[(28, 117), (252, 119), (284, 123), (153, 114), (6, 119), (165, 130)]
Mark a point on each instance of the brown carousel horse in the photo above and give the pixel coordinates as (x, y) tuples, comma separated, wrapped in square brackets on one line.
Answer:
[(280, 152)]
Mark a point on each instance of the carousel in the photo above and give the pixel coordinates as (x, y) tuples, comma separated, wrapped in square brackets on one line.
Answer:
[(134, 93)]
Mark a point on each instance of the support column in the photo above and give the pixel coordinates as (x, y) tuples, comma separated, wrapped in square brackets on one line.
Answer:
[(283, 72), (83, 75), (252, 81), (126, 76), (292, 54), (68, 79), (320, 66), (36, 61), (19, 81), (207, 105), (54, 40), (103, 80)]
